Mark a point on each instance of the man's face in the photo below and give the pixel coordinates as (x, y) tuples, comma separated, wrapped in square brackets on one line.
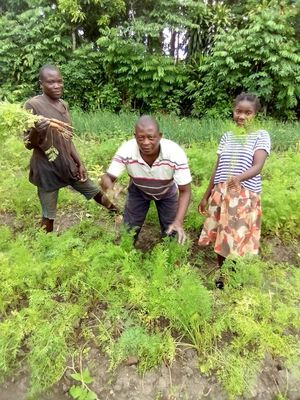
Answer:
[(52, 84), (147, 138)]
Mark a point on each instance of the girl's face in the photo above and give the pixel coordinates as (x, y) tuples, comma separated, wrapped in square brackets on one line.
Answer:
[(243, 111)]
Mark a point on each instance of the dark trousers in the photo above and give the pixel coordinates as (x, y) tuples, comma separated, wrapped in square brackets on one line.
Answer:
[(137, 206)]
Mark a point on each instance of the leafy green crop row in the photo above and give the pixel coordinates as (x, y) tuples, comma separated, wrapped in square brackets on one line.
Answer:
[(50, 283), (281, 184), (142, 304), (182, 130)]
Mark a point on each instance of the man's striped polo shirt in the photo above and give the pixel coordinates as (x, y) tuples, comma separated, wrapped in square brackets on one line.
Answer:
[(159, 181)]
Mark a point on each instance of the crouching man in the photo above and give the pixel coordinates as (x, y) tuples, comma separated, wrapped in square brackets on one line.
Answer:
[(158, 171)]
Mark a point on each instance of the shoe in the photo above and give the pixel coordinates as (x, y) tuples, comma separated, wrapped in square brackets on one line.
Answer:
[(219, 283)]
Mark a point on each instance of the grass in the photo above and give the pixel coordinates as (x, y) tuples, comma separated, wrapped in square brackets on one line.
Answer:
[(183, 130)]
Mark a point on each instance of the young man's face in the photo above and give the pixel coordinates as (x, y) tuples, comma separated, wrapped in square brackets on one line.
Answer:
[(147, 138), (52, 84), (243, 111)]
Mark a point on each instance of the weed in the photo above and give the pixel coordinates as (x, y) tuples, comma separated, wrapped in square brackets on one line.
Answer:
[(151, 350), (83, 378)]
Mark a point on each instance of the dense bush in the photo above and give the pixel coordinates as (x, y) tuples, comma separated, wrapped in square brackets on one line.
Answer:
[(153, 58), (263, 58)]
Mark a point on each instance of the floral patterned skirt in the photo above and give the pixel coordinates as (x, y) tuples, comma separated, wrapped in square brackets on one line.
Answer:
[(233, 222)]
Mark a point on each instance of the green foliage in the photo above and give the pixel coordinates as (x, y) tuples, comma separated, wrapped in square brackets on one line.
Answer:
[(86, 85), (208, 20), (87, 283), (81, 393), (48, 344), (241, 132), (281, 189), (13, 331), (28, 40), (262, 57), (14, 120), (57, 295), (151, 350), (256, 315), (84, 376), (148, 82), (89, 16), (84, 78), (168, 56), (164, 291), (103, 124)]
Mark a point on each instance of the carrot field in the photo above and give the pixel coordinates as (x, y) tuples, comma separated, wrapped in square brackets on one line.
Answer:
[(83, 304)]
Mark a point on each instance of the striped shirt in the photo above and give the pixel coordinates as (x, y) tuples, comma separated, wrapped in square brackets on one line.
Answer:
[(236, 156), (159, 181)]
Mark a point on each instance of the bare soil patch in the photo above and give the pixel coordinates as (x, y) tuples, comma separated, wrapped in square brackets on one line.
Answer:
[(179, 381)]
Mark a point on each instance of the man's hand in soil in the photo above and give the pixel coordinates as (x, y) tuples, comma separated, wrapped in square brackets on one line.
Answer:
[(177, 227), (107, 182)]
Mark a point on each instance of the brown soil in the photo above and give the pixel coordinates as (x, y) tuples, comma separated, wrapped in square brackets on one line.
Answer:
[(280, 252), (180, 381), (9, 219)]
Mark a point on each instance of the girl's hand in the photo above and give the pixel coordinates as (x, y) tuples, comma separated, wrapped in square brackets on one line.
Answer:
[(202, 208), (234, 183)]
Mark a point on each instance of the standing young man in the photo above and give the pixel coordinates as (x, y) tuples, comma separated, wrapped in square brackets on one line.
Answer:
[(64, 167), (158, 171)]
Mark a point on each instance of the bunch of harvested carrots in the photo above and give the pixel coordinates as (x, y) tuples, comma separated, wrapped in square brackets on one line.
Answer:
[(14, 120), (61, 127)]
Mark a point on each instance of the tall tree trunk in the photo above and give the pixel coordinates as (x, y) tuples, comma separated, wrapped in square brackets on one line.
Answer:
[(172, 43), (73, 39), (161, 41), (177, 46)]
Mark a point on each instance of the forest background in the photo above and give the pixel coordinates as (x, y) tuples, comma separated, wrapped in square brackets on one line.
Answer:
[(186, 57), (84, 301)]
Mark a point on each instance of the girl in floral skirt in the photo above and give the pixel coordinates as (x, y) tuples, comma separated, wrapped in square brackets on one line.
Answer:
[(233, 195)]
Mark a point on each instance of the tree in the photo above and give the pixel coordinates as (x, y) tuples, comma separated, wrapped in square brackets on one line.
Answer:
[(166, 55), (208, 21), (149, 82), (27, 41), (263, 58), (87, 17)]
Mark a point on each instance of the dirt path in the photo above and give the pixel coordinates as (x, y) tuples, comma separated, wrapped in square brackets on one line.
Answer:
[(180, 381)]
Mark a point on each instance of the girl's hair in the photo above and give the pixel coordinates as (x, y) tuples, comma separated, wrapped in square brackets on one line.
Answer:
[(248, 97)]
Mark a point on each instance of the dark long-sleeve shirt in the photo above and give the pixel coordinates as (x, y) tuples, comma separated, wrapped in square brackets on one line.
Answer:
[(50, 175)]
